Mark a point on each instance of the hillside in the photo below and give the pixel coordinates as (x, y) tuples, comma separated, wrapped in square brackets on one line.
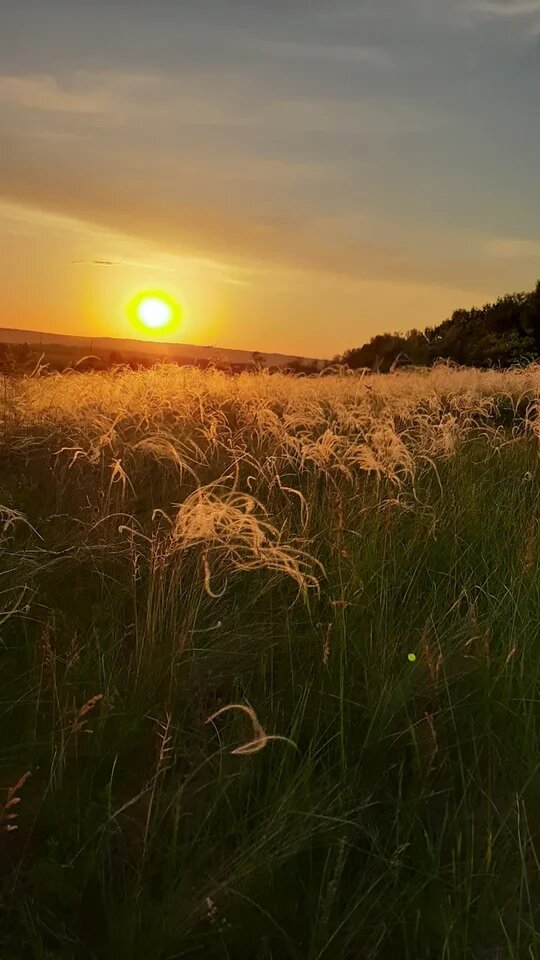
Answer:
[(78, 346)]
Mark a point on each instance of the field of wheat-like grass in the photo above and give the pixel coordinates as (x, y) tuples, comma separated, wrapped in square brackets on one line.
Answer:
[(270, 665)]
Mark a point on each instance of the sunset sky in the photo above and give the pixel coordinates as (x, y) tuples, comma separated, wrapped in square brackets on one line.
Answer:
[(300, 174)]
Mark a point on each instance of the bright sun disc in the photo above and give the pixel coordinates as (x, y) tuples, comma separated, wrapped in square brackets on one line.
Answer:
[(154, 313), (153, 310)]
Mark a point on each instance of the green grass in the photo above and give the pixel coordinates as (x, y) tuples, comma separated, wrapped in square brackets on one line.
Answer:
[(405, 820)]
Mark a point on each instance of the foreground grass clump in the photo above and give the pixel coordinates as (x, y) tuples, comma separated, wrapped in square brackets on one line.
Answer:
[(174, 543)]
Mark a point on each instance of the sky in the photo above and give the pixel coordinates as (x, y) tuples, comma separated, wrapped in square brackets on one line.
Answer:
[(299, 174)]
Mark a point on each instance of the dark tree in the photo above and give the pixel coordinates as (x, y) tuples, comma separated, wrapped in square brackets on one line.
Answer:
[(502, 333)]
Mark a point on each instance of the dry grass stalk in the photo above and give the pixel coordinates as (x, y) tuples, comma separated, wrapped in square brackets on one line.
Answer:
[(434, 743), (78, 725), (326, 644), (260, 737), (530, 547), (432, 661), (164, 752), (8, 810)]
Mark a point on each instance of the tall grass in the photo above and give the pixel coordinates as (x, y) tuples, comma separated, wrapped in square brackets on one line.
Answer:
[(214, 742)]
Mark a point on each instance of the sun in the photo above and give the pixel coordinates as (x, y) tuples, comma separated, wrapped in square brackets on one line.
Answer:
[(154, 311)]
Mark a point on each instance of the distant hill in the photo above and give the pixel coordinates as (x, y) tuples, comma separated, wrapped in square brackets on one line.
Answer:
[(183, 352)]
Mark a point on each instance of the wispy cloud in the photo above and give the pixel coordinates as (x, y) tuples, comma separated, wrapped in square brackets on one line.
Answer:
[(506, 8), (511, 248), (121, 263), (336, 53), (95, 263), (85, 93), (44, 92), (368, 117), (235, 282), (521, 16)]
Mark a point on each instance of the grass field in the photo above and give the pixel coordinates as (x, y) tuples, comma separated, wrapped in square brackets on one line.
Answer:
[(175, 543)]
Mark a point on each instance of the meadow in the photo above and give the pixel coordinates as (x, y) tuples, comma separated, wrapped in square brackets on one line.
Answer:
[(270, 663)]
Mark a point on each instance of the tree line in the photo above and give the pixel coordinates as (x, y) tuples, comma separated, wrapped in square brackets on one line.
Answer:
[(500, 334)]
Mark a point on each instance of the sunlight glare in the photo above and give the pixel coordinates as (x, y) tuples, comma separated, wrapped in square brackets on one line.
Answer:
[(154, 311)]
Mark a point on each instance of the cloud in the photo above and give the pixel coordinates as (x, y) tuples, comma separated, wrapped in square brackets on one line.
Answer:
[(235, 282), (90, 94), (522, 16), (182, 227), (334, 53), (322, 247), (258, 158), (511, 248), (121, 263), (506, 8), (96, 263), (369, 117), (44, 92)]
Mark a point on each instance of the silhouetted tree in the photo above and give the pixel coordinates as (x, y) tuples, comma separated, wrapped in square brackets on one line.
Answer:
[(501, 333), (259, 361), (17, 358), (379, 354)]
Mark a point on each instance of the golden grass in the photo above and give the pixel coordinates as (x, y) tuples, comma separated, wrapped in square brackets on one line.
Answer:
[(238, 443), (319, 420)]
